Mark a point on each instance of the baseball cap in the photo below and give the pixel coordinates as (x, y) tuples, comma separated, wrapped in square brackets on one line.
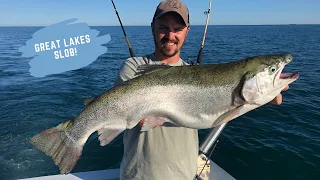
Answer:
[(172, 6)]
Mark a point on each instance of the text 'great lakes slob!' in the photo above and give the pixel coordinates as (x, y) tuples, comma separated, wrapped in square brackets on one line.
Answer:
[(68, 44)]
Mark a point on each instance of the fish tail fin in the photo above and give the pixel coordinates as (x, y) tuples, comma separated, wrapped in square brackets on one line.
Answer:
[(55, 143)]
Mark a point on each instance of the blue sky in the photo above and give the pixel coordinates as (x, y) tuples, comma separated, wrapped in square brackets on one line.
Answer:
[(140, 12)]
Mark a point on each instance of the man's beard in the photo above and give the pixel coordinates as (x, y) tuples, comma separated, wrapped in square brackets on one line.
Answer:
[(162, 49)]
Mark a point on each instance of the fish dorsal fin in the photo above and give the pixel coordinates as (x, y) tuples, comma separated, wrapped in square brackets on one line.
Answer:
[(146, 69)]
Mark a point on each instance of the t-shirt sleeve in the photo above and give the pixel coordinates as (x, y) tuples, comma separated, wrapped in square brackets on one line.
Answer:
[(127, 71)]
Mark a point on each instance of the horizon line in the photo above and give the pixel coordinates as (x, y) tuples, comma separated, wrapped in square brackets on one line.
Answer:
[(149, 25)]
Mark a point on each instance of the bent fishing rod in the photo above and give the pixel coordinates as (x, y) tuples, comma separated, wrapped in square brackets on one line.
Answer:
[(124, 32)]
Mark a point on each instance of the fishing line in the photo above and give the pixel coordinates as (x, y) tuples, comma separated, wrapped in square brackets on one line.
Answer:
[(198, 176)]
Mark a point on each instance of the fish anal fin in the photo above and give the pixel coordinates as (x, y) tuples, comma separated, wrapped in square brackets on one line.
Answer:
[(107, 135), (150, 122)]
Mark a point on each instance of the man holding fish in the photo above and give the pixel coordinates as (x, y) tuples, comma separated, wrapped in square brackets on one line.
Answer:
[(162, 152)]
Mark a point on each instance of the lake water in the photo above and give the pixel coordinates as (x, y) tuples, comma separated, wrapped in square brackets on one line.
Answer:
[(272, 142)]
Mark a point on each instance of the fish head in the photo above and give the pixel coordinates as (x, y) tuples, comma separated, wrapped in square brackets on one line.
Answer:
[(264, 79)]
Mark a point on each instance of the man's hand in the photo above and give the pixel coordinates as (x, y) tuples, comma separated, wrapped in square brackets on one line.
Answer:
[(278, 99)]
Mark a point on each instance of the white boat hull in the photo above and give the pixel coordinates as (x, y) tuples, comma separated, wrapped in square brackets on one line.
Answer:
[(216, 173)]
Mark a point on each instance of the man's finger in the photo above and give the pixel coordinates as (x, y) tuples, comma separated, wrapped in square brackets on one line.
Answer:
[(277, 100)]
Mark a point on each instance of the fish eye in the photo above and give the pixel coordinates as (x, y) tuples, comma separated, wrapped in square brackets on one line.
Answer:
[(272, 69)]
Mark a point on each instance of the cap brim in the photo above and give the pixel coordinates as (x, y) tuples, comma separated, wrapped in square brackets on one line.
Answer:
[(163, 13)]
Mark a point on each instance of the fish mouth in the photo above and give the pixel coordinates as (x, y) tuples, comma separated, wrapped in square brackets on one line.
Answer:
[(283, 79), (289, 75)]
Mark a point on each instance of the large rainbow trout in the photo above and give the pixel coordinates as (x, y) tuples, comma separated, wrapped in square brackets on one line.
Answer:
[(199, 97)]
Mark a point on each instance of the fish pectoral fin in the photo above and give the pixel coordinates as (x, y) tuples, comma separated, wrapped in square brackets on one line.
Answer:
[(88, 101), (151, 122), (228, 116), (107, 135), (234, 113), (145, 69)]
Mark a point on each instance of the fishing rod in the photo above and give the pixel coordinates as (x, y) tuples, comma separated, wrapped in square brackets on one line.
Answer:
[(199, 57), (212, 138), (214, 134), (125, 35)]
